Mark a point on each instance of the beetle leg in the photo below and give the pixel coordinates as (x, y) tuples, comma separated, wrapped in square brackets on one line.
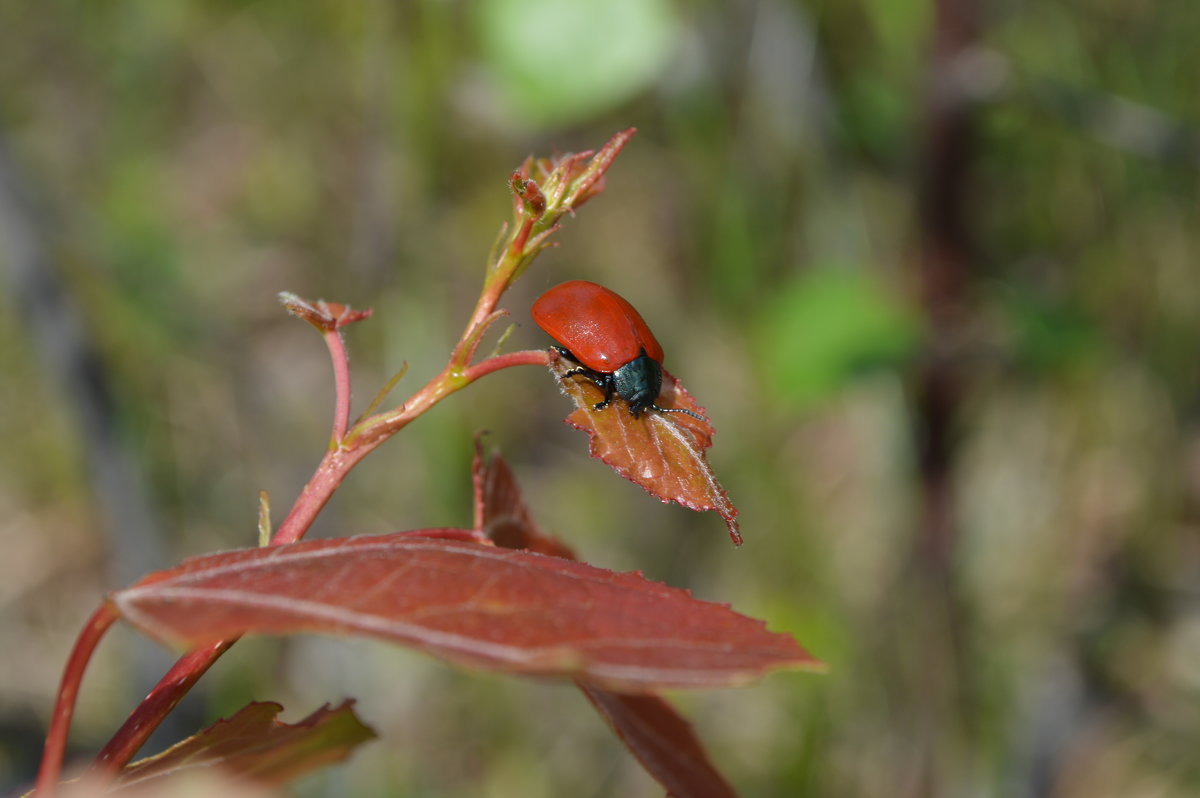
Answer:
[(609, 387), (602, 381)]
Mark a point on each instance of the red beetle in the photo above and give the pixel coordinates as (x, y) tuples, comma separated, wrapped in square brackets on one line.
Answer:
[(609, 340)]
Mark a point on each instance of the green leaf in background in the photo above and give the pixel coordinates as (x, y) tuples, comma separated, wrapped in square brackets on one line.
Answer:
[(828, 327), (559, 62)]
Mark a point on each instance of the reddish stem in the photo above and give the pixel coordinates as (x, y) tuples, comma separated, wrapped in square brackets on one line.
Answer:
[(68, 691), (325, 480), (383, 425), (157, 704), (528, 357), (341, 382)]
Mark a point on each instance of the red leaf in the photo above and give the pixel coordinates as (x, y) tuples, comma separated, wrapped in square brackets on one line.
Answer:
[(500, 511), (472, 605), (661, 452), (254, 744), (325, 316), (591, 180), (662, 741)]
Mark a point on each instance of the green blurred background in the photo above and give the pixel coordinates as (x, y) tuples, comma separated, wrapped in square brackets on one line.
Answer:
[(932, 268)]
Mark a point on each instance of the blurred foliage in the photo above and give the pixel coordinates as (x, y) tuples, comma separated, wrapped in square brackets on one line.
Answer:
[(831, 325), (558, 63), (192, 158)]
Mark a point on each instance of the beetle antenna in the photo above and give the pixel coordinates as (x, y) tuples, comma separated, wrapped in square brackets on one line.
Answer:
[(694, 415)]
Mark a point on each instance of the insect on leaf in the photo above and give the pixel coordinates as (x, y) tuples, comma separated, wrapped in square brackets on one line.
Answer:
[(661, 452)]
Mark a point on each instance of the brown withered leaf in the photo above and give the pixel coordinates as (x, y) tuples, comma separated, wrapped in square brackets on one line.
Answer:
[(255, 745), (661, 452)]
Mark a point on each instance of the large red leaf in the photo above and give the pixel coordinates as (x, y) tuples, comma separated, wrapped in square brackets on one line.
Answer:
[(471, 604), (661, 452), (254, 744)]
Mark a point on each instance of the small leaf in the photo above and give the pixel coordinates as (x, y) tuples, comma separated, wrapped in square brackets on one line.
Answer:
[(591, 180), (661, 452), (325, 316), (254, 744), (472, 605), (501, 513), (264, 518)]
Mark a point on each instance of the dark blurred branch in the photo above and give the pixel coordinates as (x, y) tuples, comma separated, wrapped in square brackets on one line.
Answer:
[(943, 265), (944, 271)]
